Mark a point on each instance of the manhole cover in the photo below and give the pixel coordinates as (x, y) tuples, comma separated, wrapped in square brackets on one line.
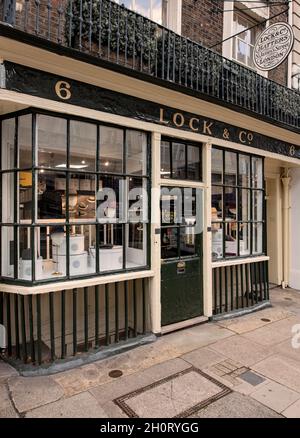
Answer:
[(115, 374), (265, 320)]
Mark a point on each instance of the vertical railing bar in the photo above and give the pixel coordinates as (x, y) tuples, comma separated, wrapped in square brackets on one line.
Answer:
[(144, 306), (31, 330), (86, 318), (242, 284), (8, 324), (63, 324), (226, 288), (215, 290), (74, 322), (126, 309), (39, 328), (220, 290), (231, 288), (52, 332), (247, 283), (107, 339), (237, 287), (23, 329), (117, 312), (97, 287), (135, 308), (16, 314)]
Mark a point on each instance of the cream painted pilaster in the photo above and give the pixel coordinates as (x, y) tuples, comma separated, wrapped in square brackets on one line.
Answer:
[(207, 262), (155, 300)]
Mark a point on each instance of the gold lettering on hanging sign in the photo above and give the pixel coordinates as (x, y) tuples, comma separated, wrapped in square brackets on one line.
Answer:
[(193, 123), (176, 117), (207, 127), (63, 90), (246, 137)]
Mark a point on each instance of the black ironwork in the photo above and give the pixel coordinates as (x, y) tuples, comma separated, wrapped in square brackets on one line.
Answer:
[(110, 32), (249, 280), (44, 328), (9, 12)]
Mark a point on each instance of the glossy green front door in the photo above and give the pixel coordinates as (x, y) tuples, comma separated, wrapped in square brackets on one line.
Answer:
[(181, 255)]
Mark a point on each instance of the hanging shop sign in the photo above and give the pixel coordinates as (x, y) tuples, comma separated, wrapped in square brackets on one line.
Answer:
[(48, 86), (273, 46)]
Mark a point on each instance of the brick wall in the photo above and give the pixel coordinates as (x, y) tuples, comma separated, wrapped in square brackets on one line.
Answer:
[(202, 21), (279, 74)]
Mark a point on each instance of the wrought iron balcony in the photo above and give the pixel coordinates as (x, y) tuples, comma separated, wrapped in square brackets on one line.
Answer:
[(110, 33)]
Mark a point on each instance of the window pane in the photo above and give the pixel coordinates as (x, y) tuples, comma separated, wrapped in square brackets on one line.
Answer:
[(51, 187), (111, 247), (245, 205), (194, 162), (187, 241), (138, 200), (7, 143), (231, 239), (136, 246), (25, 256), (25, 141), (244, 234), (82, 250), (53, 250), (83, 145), (8, 251), (230, 168), (216, 203), (169, 243), (257, 238), (178, 161), (257, 205), (230, 204), (217, 241), (165, 160), (82, 197), (111, 149), (25, 195), (136, 153), (217, 166), (8, 195), (171, 205), (257, 172), (111, 197), (244, 170), (52, 142)]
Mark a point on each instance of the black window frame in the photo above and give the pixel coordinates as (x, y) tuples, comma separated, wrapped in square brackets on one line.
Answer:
[(239, 220), (35, 168)]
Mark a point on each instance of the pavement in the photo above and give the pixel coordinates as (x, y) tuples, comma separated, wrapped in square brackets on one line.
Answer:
[(247, 367)]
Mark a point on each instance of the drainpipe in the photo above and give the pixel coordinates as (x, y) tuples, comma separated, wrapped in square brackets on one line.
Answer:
[(286, 180)]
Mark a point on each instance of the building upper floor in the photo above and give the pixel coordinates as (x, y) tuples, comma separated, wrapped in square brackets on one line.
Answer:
[(202, 48)]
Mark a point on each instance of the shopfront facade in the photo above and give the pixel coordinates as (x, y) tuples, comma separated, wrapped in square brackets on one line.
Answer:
[(128, 212)]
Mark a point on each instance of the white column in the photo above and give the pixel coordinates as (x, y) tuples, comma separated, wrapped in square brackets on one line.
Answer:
[(295, 230), (155, 289)]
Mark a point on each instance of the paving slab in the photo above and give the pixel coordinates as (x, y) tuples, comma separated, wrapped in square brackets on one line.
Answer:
[(6, 407), (236, 405), (242, 350), (256, 320), (203, 358), (286, 349), (293, 411), (6, 371), (275, 396), (79, 406), (282, 370), (273, 334), (122, 386), (31, 392), (191, 339), (171, 397), (90, 376)]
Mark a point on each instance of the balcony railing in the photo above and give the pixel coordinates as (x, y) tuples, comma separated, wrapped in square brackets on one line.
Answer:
[(110, 32)]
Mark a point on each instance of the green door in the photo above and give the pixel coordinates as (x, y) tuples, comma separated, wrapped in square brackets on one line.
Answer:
[(181, 254)]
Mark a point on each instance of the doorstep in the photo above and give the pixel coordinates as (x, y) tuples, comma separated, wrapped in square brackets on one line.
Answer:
[(184, 324)]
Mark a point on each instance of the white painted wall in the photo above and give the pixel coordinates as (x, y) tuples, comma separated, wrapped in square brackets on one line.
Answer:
[(295, 230)]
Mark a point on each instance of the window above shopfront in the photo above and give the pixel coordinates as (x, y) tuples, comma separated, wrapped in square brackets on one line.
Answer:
[(74, 198), (237, 209)]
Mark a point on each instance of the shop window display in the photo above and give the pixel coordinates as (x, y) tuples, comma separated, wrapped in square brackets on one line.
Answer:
[(59, 219), (237, 207)]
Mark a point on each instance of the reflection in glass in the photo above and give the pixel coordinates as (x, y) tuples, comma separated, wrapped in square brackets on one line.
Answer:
[(244, 235), (169, 243), (257, 205), (25, 141), (216, 166), (165, 160), (178, 161), (83, 145), (82, 197), (230, 168), (216, 203), (136, 146), (111, 149), (25, 256), (217, 241), (244, 170), (257, 173), (136, 246), (8, 144), (230, 204), (245, 205), (8, 196), (193, 164), (110, 197), (82, 252), (52, 142), (7, 248), (257, 238), (231, 239), (25, 195), (187, 241)]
